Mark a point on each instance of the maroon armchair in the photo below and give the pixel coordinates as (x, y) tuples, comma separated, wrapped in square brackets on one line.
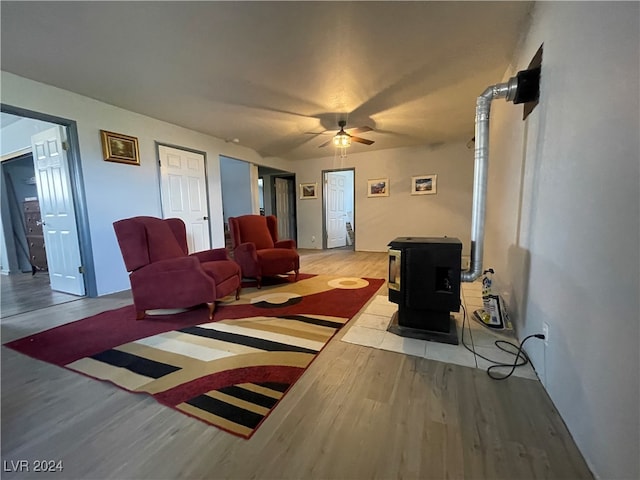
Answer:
[(164, 275), (257, 249)]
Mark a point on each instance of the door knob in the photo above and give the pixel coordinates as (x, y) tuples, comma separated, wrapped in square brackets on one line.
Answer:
[(40, 222), (205, 218)]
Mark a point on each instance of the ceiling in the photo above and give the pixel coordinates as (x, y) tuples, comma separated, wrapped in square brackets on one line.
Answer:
[(268, 73)]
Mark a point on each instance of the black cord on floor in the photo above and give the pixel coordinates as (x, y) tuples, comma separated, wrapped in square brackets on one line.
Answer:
[(519, 354), (473, 347)]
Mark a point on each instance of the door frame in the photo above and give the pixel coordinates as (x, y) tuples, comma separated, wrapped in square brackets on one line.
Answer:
[(206, 178), (324, 201), (76, 188)]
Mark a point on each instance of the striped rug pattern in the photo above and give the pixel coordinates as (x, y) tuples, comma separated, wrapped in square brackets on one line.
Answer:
[(172, 359), (230, 373)]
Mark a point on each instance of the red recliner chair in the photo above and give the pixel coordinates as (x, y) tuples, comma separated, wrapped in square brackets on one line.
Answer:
[(257, 249), (163, 274)]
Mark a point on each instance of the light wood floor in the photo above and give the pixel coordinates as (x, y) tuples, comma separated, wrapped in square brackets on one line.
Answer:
[(24, 292), (357, 413)]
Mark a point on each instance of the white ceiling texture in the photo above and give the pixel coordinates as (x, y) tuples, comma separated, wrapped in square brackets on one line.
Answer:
[(268, 73)]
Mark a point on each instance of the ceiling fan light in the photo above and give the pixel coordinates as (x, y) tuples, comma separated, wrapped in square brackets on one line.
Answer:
[(342, 140)]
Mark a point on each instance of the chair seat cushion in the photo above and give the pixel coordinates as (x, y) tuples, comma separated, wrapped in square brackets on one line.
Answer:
[(278, 260), (221, 270)]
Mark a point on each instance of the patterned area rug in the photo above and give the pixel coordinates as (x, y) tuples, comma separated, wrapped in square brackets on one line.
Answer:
[(231, 372)]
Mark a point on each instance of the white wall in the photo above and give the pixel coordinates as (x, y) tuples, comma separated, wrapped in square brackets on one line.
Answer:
[(378, 220), (112, 190), (564, 221)]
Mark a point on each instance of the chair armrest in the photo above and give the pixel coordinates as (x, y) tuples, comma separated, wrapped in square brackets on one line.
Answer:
[(213, 255), (291, 244)]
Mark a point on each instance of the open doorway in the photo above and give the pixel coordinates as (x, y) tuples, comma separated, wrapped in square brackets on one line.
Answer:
[(40, 267), (338, 224), (278, 189), (254, 189)]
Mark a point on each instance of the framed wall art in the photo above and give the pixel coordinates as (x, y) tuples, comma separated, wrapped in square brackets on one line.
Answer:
[(308, 190), (424, 185), (378, 187), (120, 148)]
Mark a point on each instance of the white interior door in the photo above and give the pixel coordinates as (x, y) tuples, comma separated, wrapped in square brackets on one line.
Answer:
[(184, 193), (57, 211), (283, 210), (336, 210)]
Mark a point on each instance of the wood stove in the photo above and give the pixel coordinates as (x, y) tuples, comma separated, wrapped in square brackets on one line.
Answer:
[(424, 280)]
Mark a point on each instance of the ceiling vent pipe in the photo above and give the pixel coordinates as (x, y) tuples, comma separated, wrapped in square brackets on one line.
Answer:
[(522, 88)]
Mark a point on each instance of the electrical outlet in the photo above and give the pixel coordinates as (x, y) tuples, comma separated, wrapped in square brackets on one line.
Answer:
[(313, 239), (545, 332)]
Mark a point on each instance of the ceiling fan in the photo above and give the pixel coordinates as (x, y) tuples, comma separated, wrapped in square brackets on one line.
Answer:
[(344, 139)]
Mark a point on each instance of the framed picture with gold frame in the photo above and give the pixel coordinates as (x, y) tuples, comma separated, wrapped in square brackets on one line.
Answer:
[(120, 148)]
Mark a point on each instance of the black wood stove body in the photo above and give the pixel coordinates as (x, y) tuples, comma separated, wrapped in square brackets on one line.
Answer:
[(424, 280)]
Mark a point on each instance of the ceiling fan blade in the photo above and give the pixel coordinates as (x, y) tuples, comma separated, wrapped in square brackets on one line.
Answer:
[(361, 140), (325, 143), (363, 129)]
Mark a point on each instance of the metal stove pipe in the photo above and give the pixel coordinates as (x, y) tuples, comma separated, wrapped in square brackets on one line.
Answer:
[(483, 107)]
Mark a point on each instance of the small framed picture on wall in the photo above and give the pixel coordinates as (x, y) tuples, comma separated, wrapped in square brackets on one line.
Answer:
[(308, 190), (378, 187), (117, 147), (424, 185)]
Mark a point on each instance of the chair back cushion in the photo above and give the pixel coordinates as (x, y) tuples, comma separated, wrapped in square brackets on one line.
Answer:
[(145, 240), (180, 232), (252, 229), (163, 244)]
